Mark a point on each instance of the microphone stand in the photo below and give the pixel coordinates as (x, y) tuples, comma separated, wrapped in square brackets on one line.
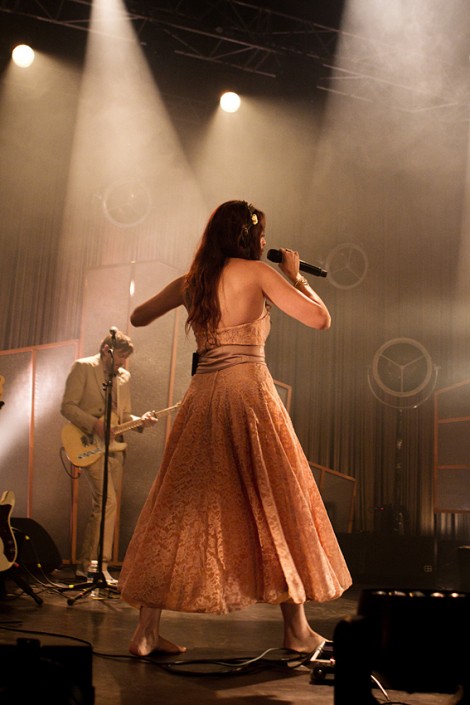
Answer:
[(99, 581)]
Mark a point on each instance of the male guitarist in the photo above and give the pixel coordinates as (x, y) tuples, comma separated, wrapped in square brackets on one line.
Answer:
[(83, 404)]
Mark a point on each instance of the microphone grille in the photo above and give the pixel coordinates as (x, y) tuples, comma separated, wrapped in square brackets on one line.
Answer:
[(274, 255)]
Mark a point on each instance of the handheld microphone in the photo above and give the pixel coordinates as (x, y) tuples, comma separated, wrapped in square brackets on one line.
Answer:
[(113, 331), (276, 256)]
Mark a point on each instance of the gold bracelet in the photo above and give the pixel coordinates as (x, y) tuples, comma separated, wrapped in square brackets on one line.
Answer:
[(300, 280)]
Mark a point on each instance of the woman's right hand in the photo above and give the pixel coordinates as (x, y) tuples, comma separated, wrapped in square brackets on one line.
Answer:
[(290, 264)]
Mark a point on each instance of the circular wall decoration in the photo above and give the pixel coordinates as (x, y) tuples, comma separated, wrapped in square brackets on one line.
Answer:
[(402, 368), (127, 203), (347, 265)]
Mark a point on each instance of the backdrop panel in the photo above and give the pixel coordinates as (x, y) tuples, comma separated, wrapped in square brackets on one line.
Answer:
[(453, 402), (106, 304), (15, 422), (452, 449), (451, 490), (160, 368), (50, 484), (338, 492), (31, 463), (454, 442)]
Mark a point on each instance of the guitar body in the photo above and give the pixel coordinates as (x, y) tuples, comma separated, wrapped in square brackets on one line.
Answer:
[(8, 547), (83, 449)]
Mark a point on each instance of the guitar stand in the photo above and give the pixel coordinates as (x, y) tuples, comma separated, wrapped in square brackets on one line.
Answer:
[(13, 574)]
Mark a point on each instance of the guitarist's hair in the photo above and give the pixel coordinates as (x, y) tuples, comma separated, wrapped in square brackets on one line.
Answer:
[(118, 341)]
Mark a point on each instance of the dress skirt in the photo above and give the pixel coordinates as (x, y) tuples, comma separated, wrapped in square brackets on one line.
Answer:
[(234, 516)]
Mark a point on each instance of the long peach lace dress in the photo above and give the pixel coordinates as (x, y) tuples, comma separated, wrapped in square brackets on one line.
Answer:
[(234, 516)]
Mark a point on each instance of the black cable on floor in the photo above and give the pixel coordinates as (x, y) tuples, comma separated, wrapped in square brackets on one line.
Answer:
[(6, 628), (233, 666)]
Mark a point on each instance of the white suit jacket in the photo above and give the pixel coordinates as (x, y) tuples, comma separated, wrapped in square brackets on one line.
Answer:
[(84, 396)]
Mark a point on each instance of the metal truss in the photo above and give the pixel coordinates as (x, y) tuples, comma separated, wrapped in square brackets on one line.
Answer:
[(253, 38), (231, 32), (67, 13)]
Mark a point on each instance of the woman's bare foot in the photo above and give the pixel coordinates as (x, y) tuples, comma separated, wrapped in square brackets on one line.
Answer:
[(305, 644), (146, 638), (143, 646), (298, 634)]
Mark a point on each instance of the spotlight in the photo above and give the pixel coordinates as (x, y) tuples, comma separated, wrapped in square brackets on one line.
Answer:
[(23, 55), (230, 102)]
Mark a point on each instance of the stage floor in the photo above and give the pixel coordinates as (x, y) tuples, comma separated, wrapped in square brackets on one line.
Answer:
[(92, 635)]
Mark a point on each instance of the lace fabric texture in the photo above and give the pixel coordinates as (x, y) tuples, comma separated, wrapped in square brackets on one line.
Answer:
[(234, 516)]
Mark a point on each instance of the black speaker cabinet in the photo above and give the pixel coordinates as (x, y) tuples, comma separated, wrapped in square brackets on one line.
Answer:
[(36, 549), (390, 560), (464, 567)]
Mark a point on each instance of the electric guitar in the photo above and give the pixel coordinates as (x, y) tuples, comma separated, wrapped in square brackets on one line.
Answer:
[(83, 449), (8, 547)]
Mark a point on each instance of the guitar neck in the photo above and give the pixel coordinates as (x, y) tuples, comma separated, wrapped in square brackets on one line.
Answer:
[(128, 426), (136, 423)]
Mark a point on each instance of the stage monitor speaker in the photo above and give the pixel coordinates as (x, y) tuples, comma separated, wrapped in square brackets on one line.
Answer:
[(36, 549), (47, 671), (408, 625), (411, 640)]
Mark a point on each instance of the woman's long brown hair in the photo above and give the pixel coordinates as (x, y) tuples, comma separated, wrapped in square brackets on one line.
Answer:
[(233, 230)]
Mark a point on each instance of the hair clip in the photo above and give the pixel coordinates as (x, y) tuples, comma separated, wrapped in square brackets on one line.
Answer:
[(253, 216)]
